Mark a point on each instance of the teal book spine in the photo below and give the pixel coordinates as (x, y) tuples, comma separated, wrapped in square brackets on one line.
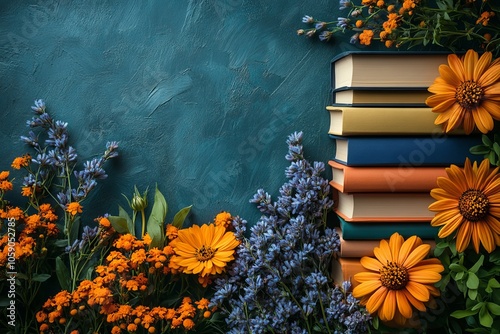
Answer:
[(373, 231), (405, 151)]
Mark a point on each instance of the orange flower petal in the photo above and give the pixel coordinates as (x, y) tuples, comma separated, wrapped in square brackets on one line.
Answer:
[(376, 299), (419, 291), (388, 308), (371, 263), (366, 288), (404, 306)]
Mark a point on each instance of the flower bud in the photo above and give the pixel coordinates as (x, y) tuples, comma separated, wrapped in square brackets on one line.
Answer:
[(138, 203)]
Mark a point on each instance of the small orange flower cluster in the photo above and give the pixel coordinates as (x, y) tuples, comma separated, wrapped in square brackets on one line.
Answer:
[(31, 239), (23, 161), (5, 184), (122, 295)]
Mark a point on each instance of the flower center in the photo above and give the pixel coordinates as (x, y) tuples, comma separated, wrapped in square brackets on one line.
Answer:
[(469, 94), (393, 276), (473, 205), (204, 253)]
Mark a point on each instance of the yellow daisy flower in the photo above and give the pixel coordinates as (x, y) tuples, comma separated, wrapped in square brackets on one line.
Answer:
[(204, 250), (467, 93), (398, 279), (468, 201)]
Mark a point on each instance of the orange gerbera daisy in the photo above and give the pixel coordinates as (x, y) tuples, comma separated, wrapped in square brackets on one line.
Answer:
[(467, 93), (398, 278), (468, 201), (204, 250)]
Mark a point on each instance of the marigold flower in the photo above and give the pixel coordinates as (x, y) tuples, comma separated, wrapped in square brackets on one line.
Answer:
[(466, 93), (5, 185), (171, 232), (365, 38), (204, 250), (4, 175), (359, 23), (188, 324), (23, 161), (484, 19), (399, 278), (26, 191), (223, 219), (202, 304), (467, 202), (74, 208)]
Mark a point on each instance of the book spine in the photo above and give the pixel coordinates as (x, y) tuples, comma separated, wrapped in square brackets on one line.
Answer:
[(344, 269), (384, 179), (377, 231), (406, 151)]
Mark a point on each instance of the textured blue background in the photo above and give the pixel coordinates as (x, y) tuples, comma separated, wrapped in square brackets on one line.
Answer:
[(200, 94)]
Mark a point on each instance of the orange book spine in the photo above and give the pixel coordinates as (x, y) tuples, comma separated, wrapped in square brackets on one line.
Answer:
[(344, 269), (384, 179)]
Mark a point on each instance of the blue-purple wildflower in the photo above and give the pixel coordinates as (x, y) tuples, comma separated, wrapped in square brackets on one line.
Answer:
[(280, 277)]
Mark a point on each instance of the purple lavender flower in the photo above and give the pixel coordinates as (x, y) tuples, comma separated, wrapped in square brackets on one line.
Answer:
[(39, 107), (307, 19), (286, 259)]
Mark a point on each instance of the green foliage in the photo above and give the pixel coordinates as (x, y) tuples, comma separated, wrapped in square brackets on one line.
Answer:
[(475, 303), (154, 226), (489, 149)]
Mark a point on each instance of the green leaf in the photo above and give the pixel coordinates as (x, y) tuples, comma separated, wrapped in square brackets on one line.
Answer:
[(62, 243), (486, 140), (477, 265), (472, 293), (130, 222), (463, 313), (485, 317), (493, 283), (479, 150), (496, 148), (41, 277), (119, 224), (180, 216), (455, 267), (493, 308), (492, 157), (63, 275), (157, 218), (472, 281), (4, 302)]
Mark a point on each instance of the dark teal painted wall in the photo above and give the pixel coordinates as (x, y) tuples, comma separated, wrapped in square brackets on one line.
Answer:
[(200, 94)]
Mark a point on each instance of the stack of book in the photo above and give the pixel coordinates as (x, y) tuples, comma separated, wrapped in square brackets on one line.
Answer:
[(388, 151)]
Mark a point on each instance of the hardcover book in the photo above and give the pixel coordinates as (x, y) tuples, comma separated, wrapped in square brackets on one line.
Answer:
[(384, 178), (384, 230), (383, 207), (364, 247), (386, 69), (344, 269), (356, 121), (405, 151), (368, 96)]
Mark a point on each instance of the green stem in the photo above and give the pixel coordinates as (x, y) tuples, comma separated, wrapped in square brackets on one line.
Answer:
[(143, 217)]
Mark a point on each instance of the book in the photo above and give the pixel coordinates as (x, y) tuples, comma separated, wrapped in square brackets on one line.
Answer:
[(355, 121), (373, 207), (386, 69), (344, 269), (384, 178), (364, 247), (367, 96), (384, 230), (405, 151)]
